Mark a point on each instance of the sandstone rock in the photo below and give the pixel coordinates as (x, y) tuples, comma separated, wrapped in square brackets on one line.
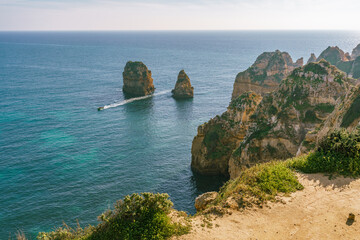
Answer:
[(356, 52), (312, 58), (183, 88), (202, 201), (299, 62), (258, 129), (137, 79), (333, 55), (216, 139), (265, 74)]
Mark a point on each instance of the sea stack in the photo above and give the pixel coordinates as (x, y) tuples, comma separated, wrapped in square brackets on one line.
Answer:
[(183, 88), (137, 79)]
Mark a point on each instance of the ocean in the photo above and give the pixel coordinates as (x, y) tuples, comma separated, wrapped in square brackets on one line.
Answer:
[(62, 160)]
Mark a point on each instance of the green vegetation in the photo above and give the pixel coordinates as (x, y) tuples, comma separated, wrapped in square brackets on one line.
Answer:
[(310, 117), (144, 216), (261, 183), (316, 68), (338, 153), (272, 110), (212, 141), (325, 107), (247, 98), (352, 114)]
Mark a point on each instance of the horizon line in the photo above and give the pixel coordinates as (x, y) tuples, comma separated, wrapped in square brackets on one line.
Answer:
[(169, 30)]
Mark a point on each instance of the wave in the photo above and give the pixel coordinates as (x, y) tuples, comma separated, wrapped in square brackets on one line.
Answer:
[(117, 104)]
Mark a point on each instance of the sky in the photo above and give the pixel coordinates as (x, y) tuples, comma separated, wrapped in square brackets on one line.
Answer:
[(179, 15)]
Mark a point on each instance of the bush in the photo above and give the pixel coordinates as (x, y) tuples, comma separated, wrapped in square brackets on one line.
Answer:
[(337, 153), (144, 216), (261, 183)]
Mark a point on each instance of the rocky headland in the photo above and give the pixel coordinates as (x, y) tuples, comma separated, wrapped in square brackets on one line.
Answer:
[(260, 125), (137, 79), (265, 74), (183, 88)]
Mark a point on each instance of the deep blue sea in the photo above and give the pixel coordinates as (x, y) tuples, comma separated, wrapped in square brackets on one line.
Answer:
[(62, 160)]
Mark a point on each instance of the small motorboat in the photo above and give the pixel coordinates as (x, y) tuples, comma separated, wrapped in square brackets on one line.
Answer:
[(100, 108)]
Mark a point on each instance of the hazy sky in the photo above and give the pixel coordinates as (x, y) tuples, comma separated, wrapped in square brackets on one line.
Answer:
[(178, 15)]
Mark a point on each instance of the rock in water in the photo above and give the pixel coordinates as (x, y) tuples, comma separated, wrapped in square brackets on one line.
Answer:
[(183, 88), (137, 79)]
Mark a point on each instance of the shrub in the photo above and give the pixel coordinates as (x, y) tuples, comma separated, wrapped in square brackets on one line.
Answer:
[(262, 183), (144, 216), (337, 153)]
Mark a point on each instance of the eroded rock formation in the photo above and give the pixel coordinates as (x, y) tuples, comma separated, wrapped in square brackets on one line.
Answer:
[(277, 125), (137, 79), (183, 88), (265, 74), (312, 58), (356, 52)]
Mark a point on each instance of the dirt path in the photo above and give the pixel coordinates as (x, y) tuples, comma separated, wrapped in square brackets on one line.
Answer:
[(320, 211)]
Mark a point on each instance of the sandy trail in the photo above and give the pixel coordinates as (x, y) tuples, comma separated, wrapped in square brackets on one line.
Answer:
[(320, 211)]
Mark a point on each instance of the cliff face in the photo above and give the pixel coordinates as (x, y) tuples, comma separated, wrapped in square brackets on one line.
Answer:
[(343, 61), (356, 52), (333, 55), (265, 74), (137, 79), (183, 88), (257, 129), (312, 58), (216, 139)]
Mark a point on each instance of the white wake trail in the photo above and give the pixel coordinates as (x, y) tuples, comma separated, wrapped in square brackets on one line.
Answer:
[(117, 104)]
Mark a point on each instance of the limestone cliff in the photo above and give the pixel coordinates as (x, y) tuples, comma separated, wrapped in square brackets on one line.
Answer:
[(265, 74), (312, 58), (356, 52), (216, 139), (345, 62), (333, 55), (183, 88), (275, 125), (137, 79)]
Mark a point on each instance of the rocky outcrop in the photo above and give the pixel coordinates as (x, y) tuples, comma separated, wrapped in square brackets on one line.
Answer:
[(333, 55), (202, 201), (299, 62), (302, 103), (137, 79), (265, 74), (312, 58), (183, 88), (276, 125), (216, 139), (346, 115), (356, 52)]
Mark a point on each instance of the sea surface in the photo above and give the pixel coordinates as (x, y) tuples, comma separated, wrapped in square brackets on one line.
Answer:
[(62, 160)]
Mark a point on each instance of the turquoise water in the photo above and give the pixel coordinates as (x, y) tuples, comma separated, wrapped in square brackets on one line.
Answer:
[(62, 160)]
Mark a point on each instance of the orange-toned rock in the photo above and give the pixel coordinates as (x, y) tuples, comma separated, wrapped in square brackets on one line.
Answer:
[(137, 79), (183, 88)]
